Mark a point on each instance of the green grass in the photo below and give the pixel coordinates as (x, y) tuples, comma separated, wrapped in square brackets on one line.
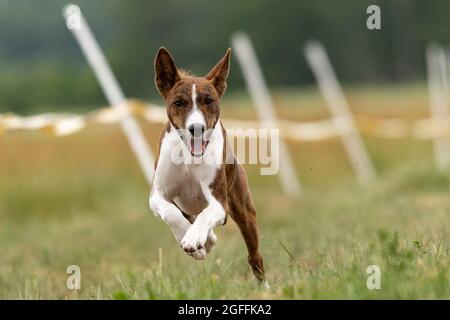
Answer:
[(82, 200)]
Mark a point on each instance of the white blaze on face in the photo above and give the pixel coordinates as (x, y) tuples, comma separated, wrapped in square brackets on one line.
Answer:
[(196, 145), (196, 116)]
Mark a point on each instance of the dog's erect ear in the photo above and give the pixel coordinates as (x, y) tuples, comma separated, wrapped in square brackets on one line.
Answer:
[(166, 73), (218, 75)]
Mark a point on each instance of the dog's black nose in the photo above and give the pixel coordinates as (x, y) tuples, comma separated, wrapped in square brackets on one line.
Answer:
[(196, 129)]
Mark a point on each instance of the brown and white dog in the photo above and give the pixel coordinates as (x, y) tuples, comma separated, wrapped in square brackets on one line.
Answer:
[(194, 197)]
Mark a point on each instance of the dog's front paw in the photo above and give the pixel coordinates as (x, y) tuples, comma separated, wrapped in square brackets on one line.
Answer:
[(194, 240)]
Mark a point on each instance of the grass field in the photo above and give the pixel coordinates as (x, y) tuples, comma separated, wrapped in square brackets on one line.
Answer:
[(81, 200)]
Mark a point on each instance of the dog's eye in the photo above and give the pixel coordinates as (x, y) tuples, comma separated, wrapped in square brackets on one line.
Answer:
[(178, 103), (208, 101)]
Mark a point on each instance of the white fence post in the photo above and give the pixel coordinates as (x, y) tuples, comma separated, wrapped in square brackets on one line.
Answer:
[(438, 94), (91, 50), (340, 111), (264, 106)]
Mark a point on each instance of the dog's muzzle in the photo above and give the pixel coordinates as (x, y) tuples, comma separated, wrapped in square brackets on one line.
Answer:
[(197, 140)]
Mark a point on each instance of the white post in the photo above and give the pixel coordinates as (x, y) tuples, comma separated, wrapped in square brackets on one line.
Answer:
[(80, 29), (340, 111), (264, 106), (438, 94)]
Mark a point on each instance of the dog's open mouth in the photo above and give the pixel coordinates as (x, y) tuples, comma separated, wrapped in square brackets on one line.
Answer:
[(197, 145)]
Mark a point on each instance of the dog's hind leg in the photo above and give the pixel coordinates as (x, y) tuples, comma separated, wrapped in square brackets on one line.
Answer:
[(243, 213)]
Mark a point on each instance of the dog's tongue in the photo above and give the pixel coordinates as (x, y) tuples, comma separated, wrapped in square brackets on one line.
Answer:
[(198, 146)]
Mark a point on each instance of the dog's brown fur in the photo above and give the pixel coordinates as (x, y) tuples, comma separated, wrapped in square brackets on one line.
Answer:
[(230, 186)]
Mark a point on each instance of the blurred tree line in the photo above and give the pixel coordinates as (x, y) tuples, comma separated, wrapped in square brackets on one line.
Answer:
[(42, 66)]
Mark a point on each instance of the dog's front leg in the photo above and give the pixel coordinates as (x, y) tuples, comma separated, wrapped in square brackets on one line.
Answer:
[(174, 218), (169, 213), (212, 216)]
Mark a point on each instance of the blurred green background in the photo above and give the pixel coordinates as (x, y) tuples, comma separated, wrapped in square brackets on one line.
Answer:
[(42, 67), (82, 199)]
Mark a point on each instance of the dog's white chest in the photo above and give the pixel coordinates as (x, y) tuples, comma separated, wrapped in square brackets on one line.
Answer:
[(183, 180)]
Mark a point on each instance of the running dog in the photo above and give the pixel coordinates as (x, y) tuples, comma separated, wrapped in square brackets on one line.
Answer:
[(195, 195)]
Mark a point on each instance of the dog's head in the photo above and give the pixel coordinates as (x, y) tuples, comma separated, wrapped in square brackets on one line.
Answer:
[(192, 102)]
